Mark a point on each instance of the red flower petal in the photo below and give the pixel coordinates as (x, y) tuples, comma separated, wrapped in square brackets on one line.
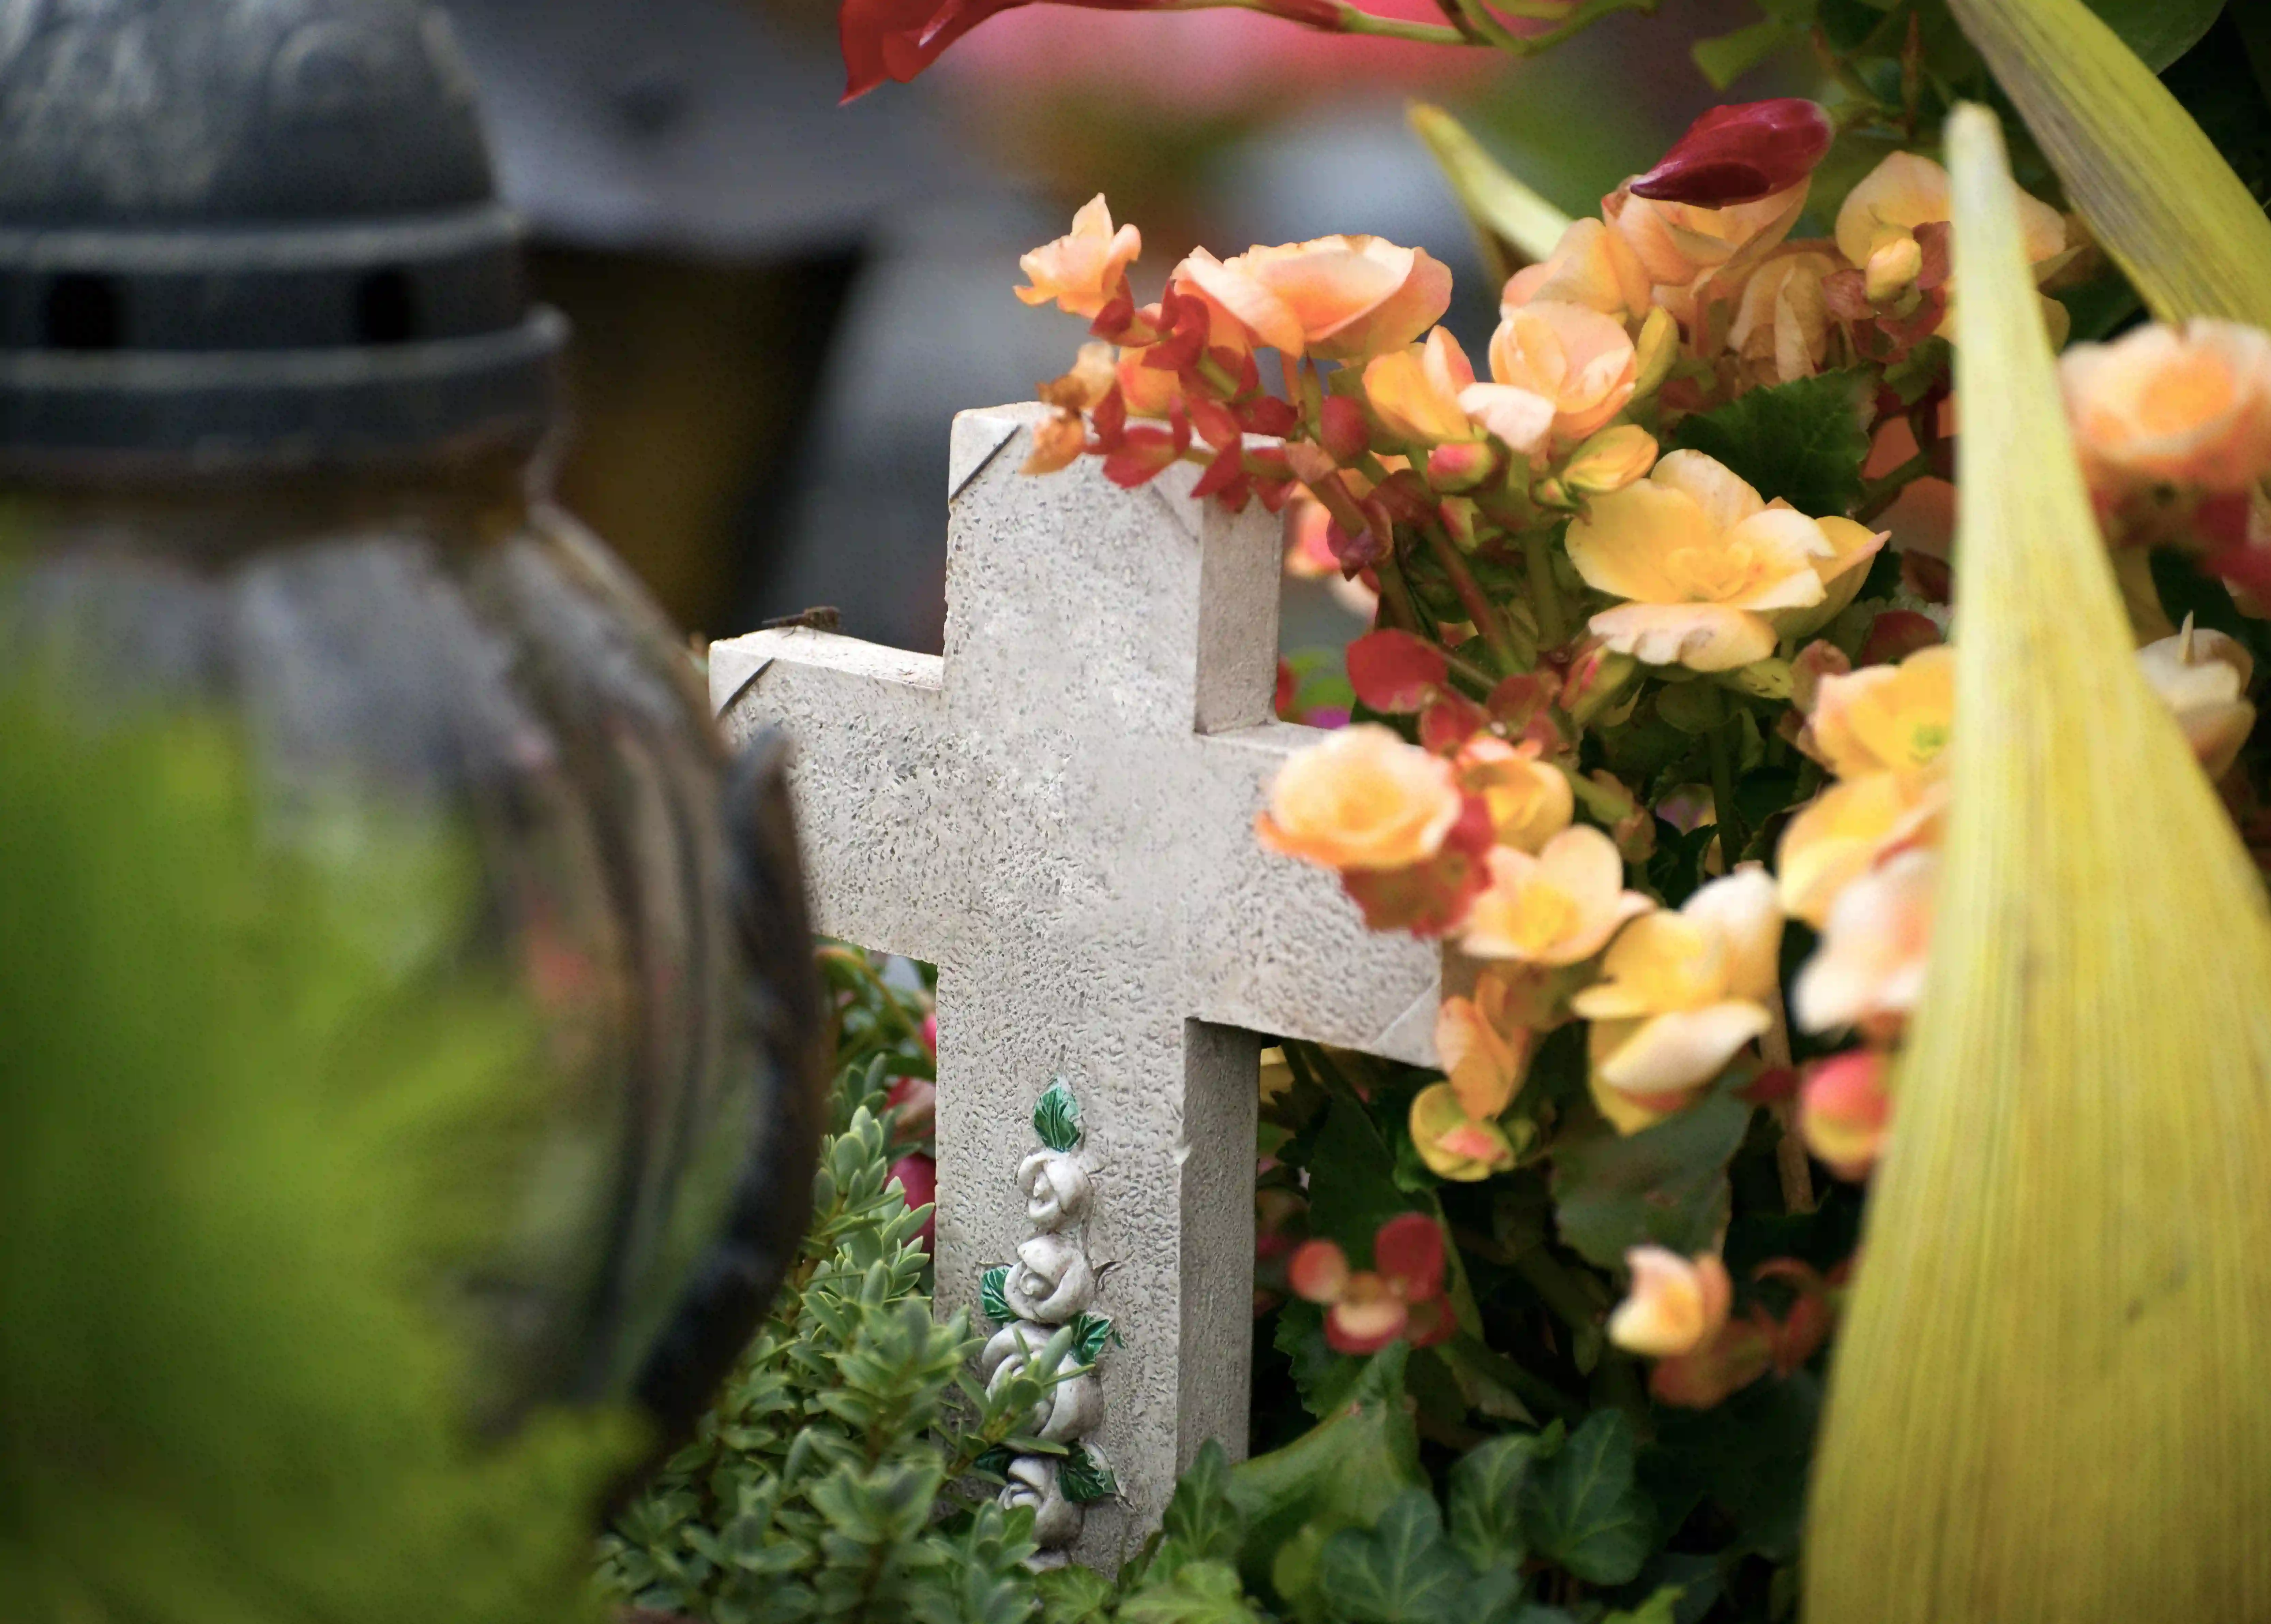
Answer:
[(1740, 153), (1408, 1250), (1319, 1272), (1395, 672)]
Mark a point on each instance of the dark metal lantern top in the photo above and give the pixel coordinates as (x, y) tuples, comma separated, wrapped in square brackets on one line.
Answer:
[(257, 232)]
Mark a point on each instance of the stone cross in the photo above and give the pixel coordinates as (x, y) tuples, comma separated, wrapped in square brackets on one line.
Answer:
[(1059, 814)]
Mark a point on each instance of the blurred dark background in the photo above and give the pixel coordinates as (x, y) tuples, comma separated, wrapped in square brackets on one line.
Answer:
[(780, 303)]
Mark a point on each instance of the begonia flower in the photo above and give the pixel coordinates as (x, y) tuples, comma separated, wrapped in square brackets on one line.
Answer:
[(1484, 1040), (1415, 389), (1673, 1306), (1592, 266), (1609, 461), (2201, 676), (1335, 297), (1361, 799), (1886, 719), (1530, 802), (1738, 1354), (1843, 1110), (1878, 223), (1701, 560), (1081, 271), (1401, 1296), (1687, 248), (1847, 829), (1454, 1143), (1740, 153), (1781, 325), (1147, 391), (1868, 971), (1559, 907), (2186, 406), (1681, 993), (1579, 362)]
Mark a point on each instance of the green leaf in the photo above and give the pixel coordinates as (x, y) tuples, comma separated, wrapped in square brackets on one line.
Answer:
[(1402, 1571), (1201, 1522), (1073, 1595), (1085, 1476), (2160, 31), (1204, 1592), (1487, 1499), (992, 1294), (1800, 441), (1351, 1181), (1749, 1457), (1056, 1117), (994, 1462), (1090, 1333), (1660, 1608), (1581, 1508), (1667, 1184), (1322, 1378)]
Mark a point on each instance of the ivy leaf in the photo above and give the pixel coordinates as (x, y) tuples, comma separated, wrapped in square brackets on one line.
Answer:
[(1056, 1117), (1090, 1333), (1202, 1524), (1324, 1378), (1085, 1476), (1800, 441), (1487, 1499), (1667, 1184), (1749, 1455), (1073, 1595), (993, 1297), (1402, 1572), (1351, 1181), (1204, 1592), (1581, 1508)]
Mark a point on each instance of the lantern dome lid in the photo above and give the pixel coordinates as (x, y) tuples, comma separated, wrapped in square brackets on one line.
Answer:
[(253, 233)]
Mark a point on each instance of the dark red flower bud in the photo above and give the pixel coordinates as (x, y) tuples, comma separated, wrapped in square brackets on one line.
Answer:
[(1342, 430), (918, 1177), (1740, 153)]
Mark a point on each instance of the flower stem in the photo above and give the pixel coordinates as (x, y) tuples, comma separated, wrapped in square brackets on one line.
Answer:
[(1796, 1174), (1395, 597), (1544, 591), (1723, 796), (1880, 493), (1498, 637)]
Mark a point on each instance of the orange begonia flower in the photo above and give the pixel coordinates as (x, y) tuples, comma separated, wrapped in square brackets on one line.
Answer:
[(1844, 1109), (1877, 224), (1558, 907), (1081, 271), (2187, 406), (1335, 297), (1781, 330), (1578, 362), (1689, 249), (1675, 1306), (1592, 266), (1530, 802), (1415, 390), (1848, 830), (1361, 799)]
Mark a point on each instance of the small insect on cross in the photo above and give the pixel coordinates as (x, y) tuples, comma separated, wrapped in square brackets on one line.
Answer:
[(1059, 814)]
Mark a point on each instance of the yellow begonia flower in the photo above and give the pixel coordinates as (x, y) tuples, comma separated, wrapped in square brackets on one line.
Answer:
[(1681, 993), (1558, 907), (1847, 829), (1081, 271), (1781, 330), (1886, 719), (1689, 249), (1415, 390), (1578, 362), (1453, 1144), (1877, 223), (1484, 1041), (1593, 266), (2187, 406), (1675, 1306), (1336, 297), (1869, 970), (2202, 676), (1609, 461), (1530, 802), (1362, 799), (1703, 561)]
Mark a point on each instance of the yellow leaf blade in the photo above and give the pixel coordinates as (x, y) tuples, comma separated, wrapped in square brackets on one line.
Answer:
[(2052, 1401), (2154, 188)]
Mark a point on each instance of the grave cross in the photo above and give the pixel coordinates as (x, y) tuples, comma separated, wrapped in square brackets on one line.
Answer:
[(1059, 814)]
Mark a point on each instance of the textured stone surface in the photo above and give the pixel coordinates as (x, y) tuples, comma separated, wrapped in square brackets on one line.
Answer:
[(1058, 813)]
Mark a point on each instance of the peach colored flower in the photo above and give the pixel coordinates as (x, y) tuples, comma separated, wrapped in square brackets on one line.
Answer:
[(1886, 719), (2187, 406), (1869, 970), (1592, 266), (1689, 250), (1485, 1039), (1781, 330), (1877, 224), (1843, 1110), (1609, 461), (1848, 830), (1454, 1144), (1081, 271), (2202, 676), (1558, 907), (1336, 297), (1530, 802), (1361, 799), (1675, 1306), (1415, 390), (1700, 559), (1579, 362), (1149, 391), (1681, 993)]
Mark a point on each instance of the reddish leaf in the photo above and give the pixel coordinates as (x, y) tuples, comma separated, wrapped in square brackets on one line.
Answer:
[(1450, 721), (1395, 672), (1144, 453)]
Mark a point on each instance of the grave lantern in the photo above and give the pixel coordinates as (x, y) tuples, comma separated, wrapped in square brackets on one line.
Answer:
[(271, 406)]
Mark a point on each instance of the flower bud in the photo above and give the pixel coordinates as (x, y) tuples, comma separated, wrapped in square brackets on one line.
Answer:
[(1842, 1111), (2201, 676), (1462, 465), (1342, 430), (1550, 494), (1597, 682), (1462, 521), (1654, 352), (1610, 460), (1675, 1306), (1741, 154)]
